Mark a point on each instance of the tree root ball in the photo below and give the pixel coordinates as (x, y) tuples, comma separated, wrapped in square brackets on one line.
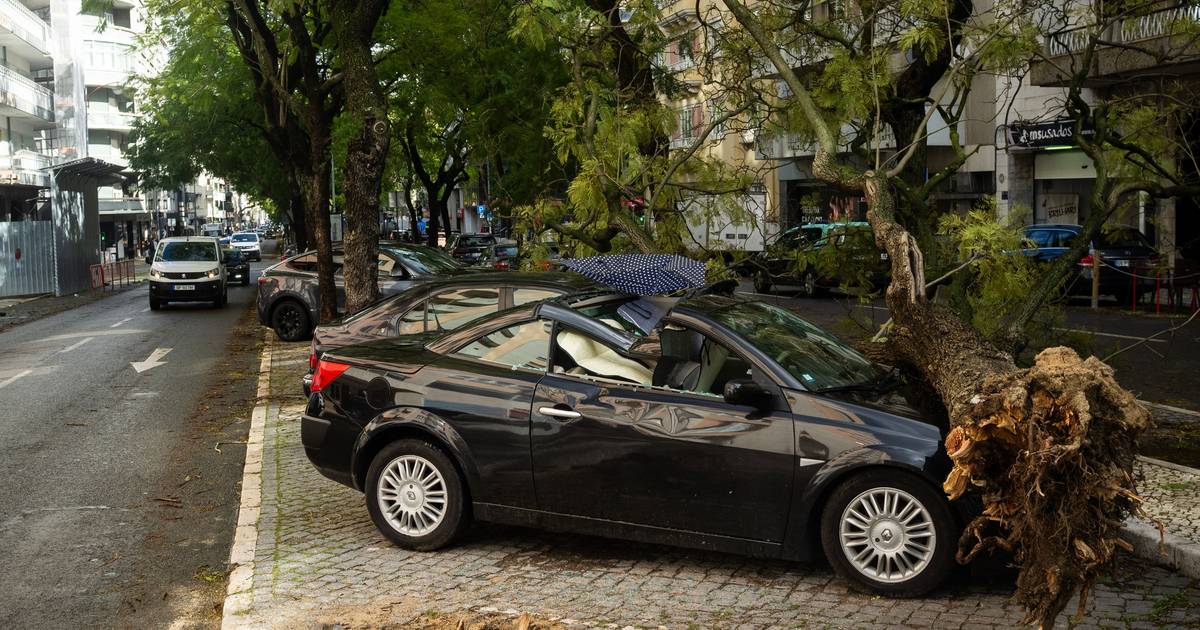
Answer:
[(1050, 450)]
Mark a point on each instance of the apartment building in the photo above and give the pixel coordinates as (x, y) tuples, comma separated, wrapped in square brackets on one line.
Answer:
[(65, 94)]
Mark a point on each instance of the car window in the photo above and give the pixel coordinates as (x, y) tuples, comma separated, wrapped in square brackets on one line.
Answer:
[(412, 322), (308, 262), (186, 251), (1041, 238), (523, 346), (1121, 237), (815, 358), (525, 296), (451, 309), (1062, 238), (425, 260)]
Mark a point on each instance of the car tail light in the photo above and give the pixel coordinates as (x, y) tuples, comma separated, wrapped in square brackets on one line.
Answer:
[(312, 356), (501, 265), (327, 372), (1086, 261)]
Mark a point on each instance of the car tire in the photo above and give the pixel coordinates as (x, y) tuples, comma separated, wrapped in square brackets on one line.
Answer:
[(155, 304), (290, 321), (404, 483), (907, 555), (220, 300), (246, 280), (762, 282)]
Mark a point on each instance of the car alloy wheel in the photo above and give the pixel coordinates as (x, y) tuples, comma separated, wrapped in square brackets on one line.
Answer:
[(412, 495), (290, 321), (415, 495), (887, 534), (810, 285), (762, 282)]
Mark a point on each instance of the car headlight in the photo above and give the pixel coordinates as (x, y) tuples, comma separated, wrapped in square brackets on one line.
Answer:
[(214, 273), (154, 273)]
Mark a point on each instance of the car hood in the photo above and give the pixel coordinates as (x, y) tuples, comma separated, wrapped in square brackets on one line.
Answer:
[(902, 410), (185, 267)]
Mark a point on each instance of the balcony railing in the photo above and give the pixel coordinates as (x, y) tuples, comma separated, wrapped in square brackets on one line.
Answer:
[(20, 92), (110, 119), (1130, 30), (25, 25)]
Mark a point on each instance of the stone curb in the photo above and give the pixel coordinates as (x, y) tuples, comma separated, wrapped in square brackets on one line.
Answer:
[(1176, 552), (1171, 465), (239, 594), (1186, 412)]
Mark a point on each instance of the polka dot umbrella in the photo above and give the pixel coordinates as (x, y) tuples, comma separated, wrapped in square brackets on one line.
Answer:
[(641, 274)]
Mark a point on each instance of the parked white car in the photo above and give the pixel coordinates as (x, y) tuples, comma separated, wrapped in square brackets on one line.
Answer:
[(187, 269), (249, 243)]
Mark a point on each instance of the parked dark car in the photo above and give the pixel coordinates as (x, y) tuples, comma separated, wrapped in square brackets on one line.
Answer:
[(734, 426), (287, 292), (501, 256), (438, 305), (853, 244), (1123, 251), (469, 248), (237, 267)]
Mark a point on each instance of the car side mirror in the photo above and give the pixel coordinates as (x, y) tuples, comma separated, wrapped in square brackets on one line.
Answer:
[(748, 393)]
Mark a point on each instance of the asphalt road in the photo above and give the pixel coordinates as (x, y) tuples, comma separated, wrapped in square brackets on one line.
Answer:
[(88, 444)]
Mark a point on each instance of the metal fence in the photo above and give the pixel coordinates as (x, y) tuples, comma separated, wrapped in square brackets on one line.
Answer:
[(26, 257)]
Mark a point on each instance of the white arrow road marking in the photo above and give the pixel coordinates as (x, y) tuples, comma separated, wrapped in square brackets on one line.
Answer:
[(75, 345), (151, 361), (145, 310), (8, 381), (121, 322)]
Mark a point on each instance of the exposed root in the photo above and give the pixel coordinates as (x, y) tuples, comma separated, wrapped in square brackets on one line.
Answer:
[(1050, 449)]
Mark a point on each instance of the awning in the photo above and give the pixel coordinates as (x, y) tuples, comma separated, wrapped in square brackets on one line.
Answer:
[(105, 173)]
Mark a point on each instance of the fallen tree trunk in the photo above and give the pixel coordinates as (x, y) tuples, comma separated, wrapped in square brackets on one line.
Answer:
[(1049, 448)]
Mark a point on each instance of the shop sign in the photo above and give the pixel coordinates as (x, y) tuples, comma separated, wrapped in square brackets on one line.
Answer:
[(1061, 208), (1045, 134)]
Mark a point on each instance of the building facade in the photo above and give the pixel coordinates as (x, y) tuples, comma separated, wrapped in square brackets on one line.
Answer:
[(65, 94)]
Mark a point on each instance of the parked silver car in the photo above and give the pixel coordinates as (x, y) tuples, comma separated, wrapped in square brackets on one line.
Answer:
[(287, 292)]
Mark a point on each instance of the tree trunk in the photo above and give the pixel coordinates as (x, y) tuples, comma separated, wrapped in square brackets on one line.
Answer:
[(1049, 449), (315, 183), (366, 152), (447, 224), (298, 219), (438, 217), (431, 226)]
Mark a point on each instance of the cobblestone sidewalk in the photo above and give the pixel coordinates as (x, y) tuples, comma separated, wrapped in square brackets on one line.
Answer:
[(317, 556), (1172, 495)]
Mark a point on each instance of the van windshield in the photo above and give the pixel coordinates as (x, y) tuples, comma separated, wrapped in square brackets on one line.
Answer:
[(181, 251)]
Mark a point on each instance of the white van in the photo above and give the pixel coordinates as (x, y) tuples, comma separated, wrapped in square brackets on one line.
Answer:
[(187, 269)]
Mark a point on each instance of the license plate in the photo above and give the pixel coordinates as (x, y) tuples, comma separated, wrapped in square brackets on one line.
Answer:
[(185, 287), (883, 256), (1121, 263)]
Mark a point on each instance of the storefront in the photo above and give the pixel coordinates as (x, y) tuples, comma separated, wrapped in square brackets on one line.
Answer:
[(1047, 173)]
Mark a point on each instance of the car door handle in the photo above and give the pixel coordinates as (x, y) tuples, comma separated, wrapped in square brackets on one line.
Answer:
[(559, 413)]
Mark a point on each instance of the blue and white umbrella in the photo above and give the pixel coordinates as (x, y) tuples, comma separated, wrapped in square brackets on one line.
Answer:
[(641, 274)]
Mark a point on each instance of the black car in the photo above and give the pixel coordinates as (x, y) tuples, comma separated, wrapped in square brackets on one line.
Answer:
[(469, 248), (834, 255), (501, 256), (287, 292), (1124, 252), (442, 304), (732, 425), (237, 267)]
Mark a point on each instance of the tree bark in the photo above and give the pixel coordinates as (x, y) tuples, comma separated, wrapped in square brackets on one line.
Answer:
[(316, 184), (366, 152)]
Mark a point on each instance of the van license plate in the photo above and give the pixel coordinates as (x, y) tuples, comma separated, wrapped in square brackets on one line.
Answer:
[(185, 287), (1121, 263)]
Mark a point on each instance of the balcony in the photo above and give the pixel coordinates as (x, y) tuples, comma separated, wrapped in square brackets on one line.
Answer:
[(1131, 47), (112, 120), (21, 97), (23, 32), (25, 167), (108, 153)]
